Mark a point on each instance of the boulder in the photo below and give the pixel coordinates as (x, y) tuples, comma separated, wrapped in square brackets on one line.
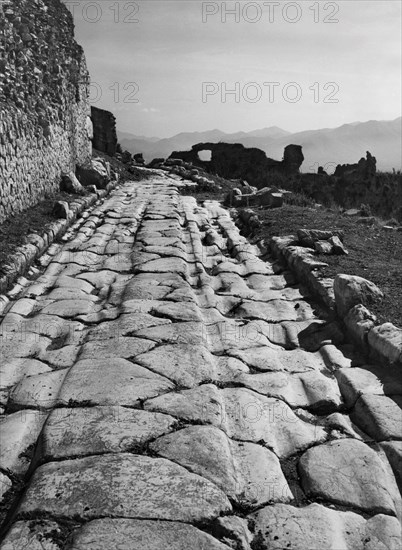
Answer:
[(351, 290), (386, 340), (127, 157), (97, 173), (233, 198), (61, 210), (70, 184)]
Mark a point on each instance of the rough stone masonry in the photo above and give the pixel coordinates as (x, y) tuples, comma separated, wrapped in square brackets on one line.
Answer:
[(163, 387), (45, 127)]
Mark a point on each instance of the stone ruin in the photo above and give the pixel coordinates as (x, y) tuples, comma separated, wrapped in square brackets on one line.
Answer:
[(234, 161)]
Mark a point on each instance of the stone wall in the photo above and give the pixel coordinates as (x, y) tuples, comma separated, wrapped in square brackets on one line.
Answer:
[(45, 128), (105, 137)]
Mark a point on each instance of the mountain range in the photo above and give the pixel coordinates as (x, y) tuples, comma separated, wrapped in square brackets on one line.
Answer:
[(325, 147)]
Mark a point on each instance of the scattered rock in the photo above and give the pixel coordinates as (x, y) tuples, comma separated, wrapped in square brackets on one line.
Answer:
[(61, 210), (70, 184), (351, 290)]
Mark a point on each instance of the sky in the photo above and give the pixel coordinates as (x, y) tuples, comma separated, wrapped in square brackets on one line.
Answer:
[(169, 66)]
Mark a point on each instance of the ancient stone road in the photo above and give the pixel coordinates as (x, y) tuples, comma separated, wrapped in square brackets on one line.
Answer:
[(164, 388)]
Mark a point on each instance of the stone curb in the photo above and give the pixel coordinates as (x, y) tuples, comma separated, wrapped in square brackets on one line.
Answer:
[(25, 255), (384, 342)]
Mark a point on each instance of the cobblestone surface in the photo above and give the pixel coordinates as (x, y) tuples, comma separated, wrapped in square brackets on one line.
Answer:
[(163, 387)]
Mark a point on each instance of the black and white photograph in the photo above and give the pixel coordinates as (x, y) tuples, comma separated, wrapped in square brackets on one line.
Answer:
[(200, 275)]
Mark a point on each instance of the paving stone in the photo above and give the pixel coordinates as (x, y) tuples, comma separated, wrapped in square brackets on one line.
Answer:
[(18, 432), (275, 311), (233, 335), (110, 382), (122, 485), (145, 291), (17, 369), (224, 304), (5, 485), (310, 390), (52, 326), (24, 306), (393, 450), (18, 345), (62, 357), (176, 333), (244, 415), (186, 364), (350, 473), (244, 471), (178, 312), (164, 265), (121, 346), (275, 358), (379, 416), (126, 324), (132, 534), (99, 278), (64, 293), (263, 282), (40, 390), (98, 430), (185, 294), (316, 527), (71, 308), (35, 535)]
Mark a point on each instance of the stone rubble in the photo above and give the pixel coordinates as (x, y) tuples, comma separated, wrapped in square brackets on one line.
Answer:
[(163, 387)]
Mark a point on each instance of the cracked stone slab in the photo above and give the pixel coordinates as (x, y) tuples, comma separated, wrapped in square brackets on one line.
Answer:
[(316, 527), (310, 335), (132, 534), (274, 358), (178, 311), (52, 326), (125, 325), (122, 485), (17, 345), (110, 382), (350, 473), (17, 369), (120, 346), (98, 279), (233, 335), (379, 416), (98, 430), (34, 534), (243, 415), (310, 390), (244, 471), (71, 308), (176, 333), (186, 364), (275, 311), (164, 265), (40, 390), (18, 432)]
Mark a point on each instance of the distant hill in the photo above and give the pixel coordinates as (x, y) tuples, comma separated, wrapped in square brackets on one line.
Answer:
[(323, 147)]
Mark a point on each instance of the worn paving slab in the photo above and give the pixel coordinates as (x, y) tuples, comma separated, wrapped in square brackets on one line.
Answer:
[(164, 387)]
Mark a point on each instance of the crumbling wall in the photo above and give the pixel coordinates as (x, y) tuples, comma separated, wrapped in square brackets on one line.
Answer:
[(45, 128), (234, 161), (105, 137)]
